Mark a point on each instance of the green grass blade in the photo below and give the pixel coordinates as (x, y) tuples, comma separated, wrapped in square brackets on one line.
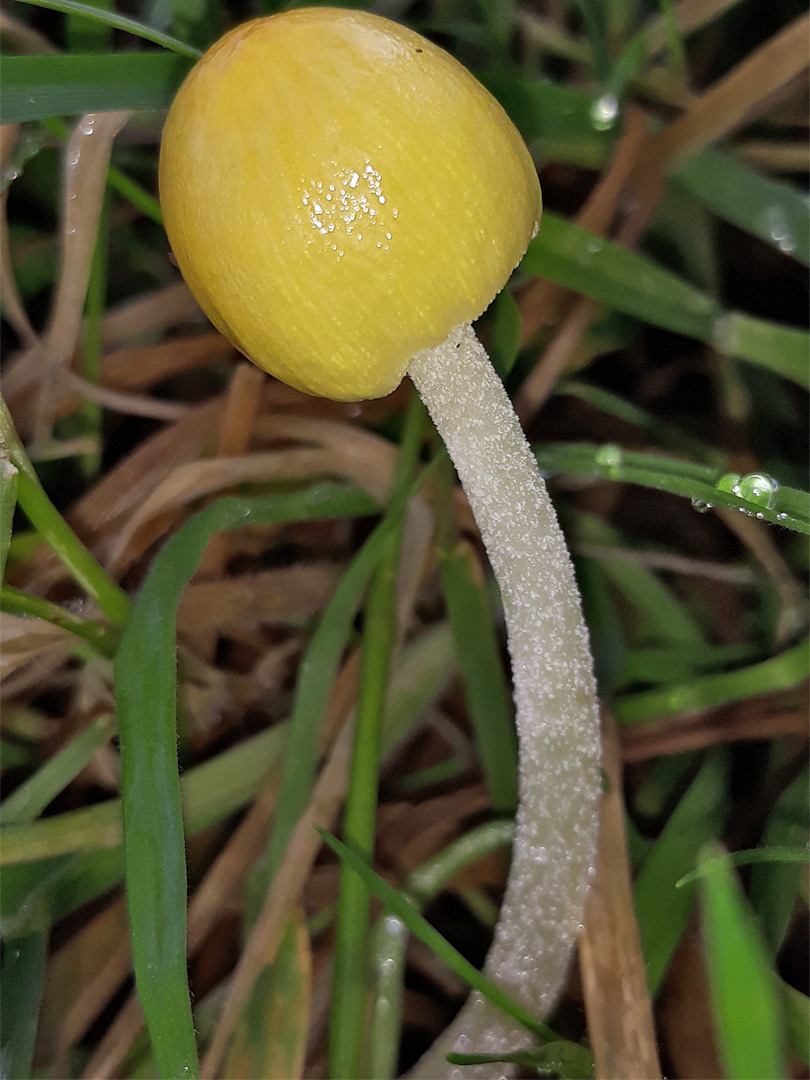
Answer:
[(760, 496), (53, 528), (744, 993), (39, 87), (41, 892), (769, 209), (403, 907), (796, 1010), (662, 910), (774, 889), (571, 256), (659, 616), (390, 940), (21, 984), (349, 986), (780, 672), (145, 674), (101, 636), (749, 857), (118, 22), (780, 349), (315, 678), (29, 800), (485, 686), (9, 481)]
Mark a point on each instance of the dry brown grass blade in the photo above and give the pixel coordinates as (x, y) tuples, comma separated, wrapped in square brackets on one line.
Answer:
[(540, 301), (742, 95), (19, 37), (760, 542), (141, 366), (76, 962), (100, 513), (265, 936), (215, 476), (87, 159), (611, 963), (25, 640), (289, 595), (151, 313), (241, 405), (690, 15), (765, 717), (547, 372), (13, 307), (687, 1017), (776, 155), (127, 404)]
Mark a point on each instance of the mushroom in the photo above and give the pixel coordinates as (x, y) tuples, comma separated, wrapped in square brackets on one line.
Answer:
[(344, 199)]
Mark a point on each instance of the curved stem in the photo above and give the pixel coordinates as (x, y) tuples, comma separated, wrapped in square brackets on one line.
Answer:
[(557, 716)]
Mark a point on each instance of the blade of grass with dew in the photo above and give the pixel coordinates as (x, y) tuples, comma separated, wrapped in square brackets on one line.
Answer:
[(28, 801), (9, 481), (103, 637), (117, 22), (662, 910), (270, 1037), (771, 210), (774, 889), (152, 819), (390, 939), (744, 994), (781, 672), (780, 505), (349, 983), (39, 87), (571, 256), (21, 981), (403, 907), (117, 181), (55, 531)]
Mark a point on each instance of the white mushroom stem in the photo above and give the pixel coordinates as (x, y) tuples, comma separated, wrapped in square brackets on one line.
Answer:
[(555, 695)]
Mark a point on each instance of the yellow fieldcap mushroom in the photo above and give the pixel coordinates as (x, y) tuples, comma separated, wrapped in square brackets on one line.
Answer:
[(339, 194), (343, 199)]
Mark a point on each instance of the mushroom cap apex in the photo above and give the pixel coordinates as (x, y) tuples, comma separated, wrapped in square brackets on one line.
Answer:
[(339, 194)]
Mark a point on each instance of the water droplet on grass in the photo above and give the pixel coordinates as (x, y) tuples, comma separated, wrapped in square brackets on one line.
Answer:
[(729, 482), (604, 112), (609, 459), (758, 488)]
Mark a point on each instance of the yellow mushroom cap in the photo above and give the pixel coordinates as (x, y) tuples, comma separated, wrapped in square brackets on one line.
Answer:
[(339, 194)]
